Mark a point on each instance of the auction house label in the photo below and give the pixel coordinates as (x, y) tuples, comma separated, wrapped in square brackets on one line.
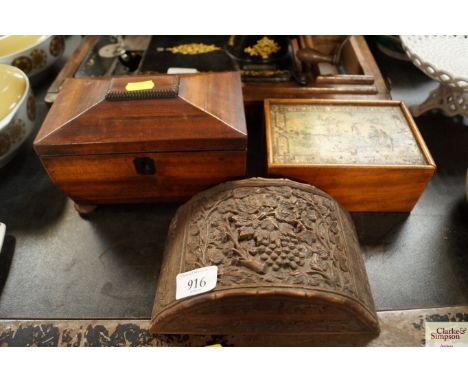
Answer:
[(198, 281), (446, 334)]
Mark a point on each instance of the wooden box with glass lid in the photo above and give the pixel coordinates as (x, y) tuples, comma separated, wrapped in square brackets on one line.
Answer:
[(369, 155)]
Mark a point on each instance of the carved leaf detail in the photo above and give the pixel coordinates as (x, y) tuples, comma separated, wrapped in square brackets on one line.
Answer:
[(308, 237), (270, 235)]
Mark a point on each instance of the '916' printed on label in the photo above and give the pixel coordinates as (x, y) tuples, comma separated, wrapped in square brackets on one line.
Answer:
[(195, 282)]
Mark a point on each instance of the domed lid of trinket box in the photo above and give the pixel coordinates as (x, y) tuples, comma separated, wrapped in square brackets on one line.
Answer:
[(287, 261)]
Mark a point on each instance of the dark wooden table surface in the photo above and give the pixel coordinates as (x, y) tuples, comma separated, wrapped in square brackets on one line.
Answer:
[(55, 264)]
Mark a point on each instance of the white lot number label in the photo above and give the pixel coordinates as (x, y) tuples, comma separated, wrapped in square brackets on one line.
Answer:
[(194, 282)]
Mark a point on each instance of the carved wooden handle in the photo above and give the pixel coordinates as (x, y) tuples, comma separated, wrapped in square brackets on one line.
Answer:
[(313, 56)]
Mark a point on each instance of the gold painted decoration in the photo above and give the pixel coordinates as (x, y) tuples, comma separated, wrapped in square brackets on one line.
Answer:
[(193, 49), (4, 144), (24, 63), (16, 131), (264, 48), (31, 107), (38, 58), (57, 46)]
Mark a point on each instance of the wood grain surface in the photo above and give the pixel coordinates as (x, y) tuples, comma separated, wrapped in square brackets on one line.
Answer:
[(207, 114), (91, 146), (103, 179)]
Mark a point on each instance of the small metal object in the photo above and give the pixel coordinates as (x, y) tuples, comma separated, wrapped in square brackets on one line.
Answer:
[(2, 234), (144, 166), (131, 60), (111, 50)]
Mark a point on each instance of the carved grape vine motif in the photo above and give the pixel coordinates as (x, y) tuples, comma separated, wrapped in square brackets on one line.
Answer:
[(269, 235)]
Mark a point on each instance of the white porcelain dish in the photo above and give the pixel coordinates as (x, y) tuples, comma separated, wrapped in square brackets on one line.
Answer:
[(17, 111), (32, 54)]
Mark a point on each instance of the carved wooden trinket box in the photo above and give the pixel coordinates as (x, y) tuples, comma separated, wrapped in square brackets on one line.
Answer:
[(369, 155), (153, 138), (288, 263)]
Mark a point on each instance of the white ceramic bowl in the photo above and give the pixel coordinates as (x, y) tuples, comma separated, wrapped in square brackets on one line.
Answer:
[(17, 111), (32, 54), (2, 235)]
